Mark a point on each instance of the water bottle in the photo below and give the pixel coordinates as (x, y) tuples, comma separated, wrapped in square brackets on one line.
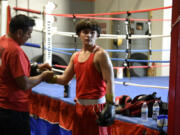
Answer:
[(144, 111), (155, 110)]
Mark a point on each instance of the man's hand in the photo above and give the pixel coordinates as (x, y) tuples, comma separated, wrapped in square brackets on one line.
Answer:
[(47, 75), (37, 69), (44, 67)]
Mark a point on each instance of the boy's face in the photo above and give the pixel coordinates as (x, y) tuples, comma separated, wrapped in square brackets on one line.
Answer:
[(88, 36)]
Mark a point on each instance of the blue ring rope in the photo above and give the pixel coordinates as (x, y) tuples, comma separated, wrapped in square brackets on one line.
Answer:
[(108, 50), (32, 45), (56, 50)]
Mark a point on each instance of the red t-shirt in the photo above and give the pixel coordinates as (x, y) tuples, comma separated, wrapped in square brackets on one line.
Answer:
[(90, 84), (13, 63)]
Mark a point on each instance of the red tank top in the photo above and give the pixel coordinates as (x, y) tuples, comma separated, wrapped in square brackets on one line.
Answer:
[(89, 82)]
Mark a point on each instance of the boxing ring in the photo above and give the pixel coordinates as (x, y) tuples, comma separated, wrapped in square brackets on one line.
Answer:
[(51, 113)]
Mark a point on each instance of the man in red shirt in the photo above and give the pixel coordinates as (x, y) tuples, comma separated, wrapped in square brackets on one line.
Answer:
[(94, 83), (15, 80)]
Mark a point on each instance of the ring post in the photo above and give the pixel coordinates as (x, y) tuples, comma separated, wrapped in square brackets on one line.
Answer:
[(48, 34)]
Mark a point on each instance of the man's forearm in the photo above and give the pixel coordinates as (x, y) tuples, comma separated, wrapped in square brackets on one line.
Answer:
[(33, 81)]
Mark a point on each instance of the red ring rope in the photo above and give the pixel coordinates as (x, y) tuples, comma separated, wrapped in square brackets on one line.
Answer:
[(100, 14), (101, 18)]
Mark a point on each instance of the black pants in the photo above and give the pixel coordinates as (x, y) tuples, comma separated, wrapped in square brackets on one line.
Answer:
[(14, 122)]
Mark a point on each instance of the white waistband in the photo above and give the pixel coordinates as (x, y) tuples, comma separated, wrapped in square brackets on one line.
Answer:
[(92, 101)]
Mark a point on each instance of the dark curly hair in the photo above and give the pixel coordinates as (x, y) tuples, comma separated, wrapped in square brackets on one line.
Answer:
[(87, 24), (20, 22)]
